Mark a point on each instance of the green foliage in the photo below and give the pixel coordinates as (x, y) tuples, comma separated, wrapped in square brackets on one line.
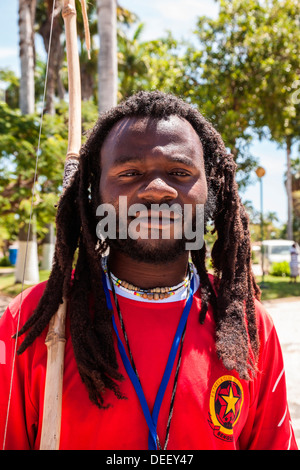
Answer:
[(4, 262), (280, 269), (271, 227), (218, 80), (89, 111), (276, 65), (276, 287), (12, 86), (242, 71), (19, 136), (149, 65)]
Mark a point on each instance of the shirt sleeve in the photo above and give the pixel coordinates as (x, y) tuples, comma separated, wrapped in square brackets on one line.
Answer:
[(269, 425)]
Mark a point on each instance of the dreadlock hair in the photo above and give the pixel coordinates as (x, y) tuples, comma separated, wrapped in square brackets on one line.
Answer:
[(231, 295)]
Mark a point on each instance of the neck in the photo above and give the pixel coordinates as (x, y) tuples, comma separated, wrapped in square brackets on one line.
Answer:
[(147, 275)]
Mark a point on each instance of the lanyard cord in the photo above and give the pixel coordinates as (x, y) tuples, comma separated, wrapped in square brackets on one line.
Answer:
[(130, 367), (121, 318), (173, 393), (123, 326)]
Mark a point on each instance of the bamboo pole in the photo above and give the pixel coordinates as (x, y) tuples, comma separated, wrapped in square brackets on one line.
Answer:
[(55, 340), (69, 15)]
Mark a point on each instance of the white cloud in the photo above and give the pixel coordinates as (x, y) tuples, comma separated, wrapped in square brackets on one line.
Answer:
[(185, 11), (9, 59), (178, 16), (8, 52)]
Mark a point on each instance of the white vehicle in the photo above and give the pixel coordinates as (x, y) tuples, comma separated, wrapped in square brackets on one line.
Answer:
[(276, 251)]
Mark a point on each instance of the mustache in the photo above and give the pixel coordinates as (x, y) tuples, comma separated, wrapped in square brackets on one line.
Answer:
[(158, 211)]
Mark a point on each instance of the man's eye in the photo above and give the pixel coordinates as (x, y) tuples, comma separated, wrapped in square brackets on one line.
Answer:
[(130, 173), (179, 173)]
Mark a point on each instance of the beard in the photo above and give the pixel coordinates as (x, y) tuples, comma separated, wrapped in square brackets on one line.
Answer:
[(153, 251), (159, 249)]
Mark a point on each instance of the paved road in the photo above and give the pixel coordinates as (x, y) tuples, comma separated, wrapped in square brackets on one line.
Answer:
[(3, 303), (286, 316)]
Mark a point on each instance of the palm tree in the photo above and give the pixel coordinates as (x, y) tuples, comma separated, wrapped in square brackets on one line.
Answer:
[(27, 245), (43, 24), (26, 34), (107, 62)]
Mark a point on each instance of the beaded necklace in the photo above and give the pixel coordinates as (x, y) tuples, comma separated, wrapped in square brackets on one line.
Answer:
[(156, 293)]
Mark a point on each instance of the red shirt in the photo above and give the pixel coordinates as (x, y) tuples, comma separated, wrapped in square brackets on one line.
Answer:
[(213, 408)]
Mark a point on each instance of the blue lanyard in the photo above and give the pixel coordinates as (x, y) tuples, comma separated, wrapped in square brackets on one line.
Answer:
[(152, 420)]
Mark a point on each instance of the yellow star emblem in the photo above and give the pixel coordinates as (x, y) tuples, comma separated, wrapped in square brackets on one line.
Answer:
[(231, 401)]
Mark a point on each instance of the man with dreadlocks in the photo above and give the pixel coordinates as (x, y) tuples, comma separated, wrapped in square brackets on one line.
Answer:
[(159, 353)]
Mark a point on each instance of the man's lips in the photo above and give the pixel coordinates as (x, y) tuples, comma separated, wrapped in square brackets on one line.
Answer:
[(163, 215), (154, 219)]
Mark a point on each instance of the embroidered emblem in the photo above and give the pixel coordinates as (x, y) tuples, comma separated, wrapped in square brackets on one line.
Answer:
[(225, 404)]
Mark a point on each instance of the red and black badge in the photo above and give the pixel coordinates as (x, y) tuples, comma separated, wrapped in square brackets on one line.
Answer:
[(226, 400)]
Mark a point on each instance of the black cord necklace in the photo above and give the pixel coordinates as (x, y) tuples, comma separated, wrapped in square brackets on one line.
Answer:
[(133, 364)]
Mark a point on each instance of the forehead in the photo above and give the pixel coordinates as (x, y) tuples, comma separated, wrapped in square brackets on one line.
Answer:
[(139, 135)]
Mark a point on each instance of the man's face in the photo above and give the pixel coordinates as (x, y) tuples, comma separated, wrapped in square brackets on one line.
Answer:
[(149, 162)]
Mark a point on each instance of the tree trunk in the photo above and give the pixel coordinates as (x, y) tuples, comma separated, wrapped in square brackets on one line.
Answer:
[(27, 267), (48, 248), (54, 82), (88, 72), (26, 22), (107, 63), (289, 192), (27, 259)]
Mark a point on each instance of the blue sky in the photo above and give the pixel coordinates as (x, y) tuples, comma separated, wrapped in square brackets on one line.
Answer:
[(179, 16)]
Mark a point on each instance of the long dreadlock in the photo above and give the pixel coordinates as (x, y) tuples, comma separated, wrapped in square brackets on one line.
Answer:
[(231, 295)]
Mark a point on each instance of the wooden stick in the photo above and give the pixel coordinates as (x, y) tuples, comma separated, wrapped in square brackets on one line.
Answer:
[(55, 341), (69, 15)]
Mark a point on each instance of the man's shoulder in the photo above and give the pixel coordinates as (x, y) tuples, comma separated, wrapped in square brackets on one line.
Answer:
[(264, 320), (26, 302)]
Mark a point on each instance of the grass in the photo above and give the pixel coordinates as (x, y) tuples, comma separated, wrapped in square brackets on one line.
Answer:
[(10, 288), (277, 287)]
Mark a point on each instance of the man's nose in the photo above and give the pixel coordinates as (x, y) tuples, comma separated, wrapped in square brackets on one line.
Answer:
[(157, 190)]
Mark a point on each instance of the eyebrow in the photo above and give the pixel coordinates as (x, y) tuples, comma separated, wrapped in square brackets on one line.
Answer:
[(122, 159)]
